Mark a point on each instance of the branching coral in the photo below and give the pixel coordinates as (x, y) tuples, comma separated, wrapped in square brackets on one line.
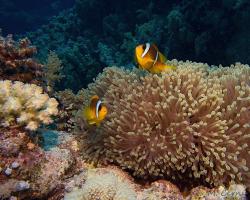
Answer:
[(52, 69), (190, 125), (16, 62), (25, 105)]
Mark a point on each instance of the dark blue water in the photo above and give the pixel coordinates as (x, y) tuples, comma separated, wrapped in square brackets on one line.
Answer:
[(21, 16)]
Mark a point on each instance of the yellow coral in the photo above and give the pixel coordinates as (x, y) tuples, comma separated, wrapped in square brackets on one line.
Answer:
[(25, 105)]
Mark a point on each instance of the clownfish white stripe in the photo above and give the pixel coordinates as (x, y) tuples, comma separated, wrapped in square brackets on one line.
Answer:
[(156, 58), (97, 108), (146, 50)]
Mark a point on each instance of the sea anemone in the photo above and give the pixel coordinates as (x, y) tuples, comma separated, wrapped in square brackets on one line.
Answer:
[(190, 125)]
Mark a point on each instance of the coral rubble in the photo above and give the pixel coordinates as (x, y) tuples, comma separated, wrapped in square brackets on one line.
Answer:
[(189, 126)]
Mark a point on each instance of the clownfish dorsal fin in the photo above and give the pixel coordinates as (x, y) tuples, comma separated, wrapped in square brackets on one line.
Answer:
[(155, 47), (98, 106), (146, 49)]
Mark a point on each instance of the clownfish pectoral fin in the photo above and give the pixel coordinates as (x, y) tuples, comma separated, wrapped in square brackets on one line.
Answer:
[(91, 122), (162, 67), (97, 124)]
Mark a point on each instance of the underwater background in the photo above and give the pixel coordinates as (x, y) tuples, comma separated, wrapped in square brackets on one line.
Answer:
[(125, 100), (89, 35)]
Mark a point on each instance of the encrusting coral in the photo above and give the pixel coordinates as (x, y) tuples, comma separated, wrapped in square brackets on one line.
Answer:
[(104, 184), (189, 126), (233, 192), (112, 183), (16, 62), (25, 105)]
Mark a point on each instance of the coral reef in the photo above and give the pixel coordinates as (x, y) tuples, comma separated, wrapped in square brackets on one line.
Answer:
[(17, 161), (232, 192), (161, 190), (16, 62), (31, 172), (189, 126), (69, 105), (112, 183), (52, 171), (25, 105)]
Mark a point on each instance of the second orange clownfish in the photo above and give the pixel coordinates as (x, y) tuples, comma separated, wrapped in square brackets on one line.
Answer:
[(151, 59), (95, 112)]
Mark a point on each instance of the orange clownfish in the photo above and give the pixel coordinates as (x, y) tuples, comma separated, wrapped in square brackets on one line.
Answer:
[(95, 112), (151, 59)]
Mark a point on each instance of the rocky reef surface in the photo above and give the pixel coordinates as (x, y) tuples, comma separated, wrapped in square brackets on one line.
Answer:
[(60, 173)]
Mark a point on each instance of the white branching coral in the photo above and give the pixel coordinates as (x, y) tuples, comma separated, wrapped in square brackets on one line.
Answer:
[(25, 105)]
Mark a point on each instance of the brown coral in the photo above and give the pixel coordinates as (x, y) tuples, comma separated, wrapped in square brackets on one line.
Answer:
[(69, 104), (189, 126), (162, 190), (16, 62), (52, 70), (113, 184), (30, 174), (233, 192)]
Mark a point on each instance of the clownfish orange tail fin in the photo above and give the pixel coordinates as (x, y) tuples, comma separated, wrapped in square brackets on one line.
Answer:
[(170, 67), (162, 58)]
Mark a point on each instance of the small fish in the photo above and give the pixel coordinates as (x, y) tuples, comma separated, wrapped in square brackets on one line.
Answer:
[(151, 59), (95, 112)]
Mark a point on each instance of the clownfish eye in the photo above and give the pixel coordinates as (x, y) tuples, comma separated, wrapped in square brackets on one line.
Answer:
[(144, 47)]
